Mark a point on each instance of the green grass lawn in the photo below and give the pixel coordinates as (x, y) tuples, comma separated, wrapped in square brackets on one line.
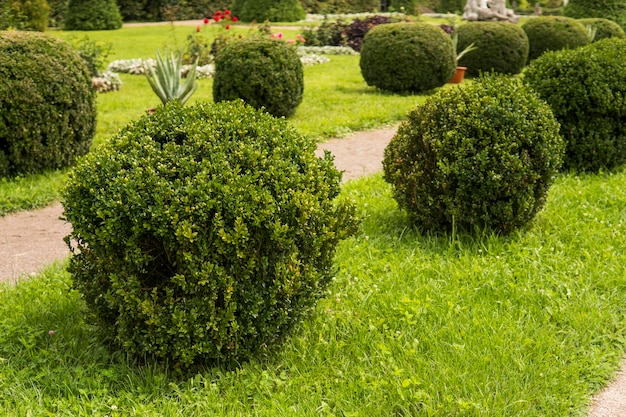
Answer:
[(531, 324), (336, 101), (525, 325)]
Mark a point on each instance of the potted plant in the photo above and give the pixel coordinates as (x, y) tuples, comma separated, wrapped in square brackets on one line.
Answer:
[(460, 71)]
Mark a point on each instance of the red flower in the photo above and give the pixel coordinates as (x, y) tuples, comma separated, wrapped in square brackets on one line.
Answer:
[(226, 12), (235, 19), (218, 13), (217, 18), (206, 20), (227, 27)]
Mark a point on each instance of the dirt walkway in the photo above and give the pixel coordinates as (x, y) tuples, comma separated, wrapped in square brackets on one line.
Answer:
[(31, 240)]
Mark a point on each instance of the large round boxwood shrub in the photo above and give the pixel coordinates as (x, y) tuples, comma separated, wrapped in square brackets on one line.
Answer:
[(204, 233), (614, 10), (272, 10), (47, 104), (407, 57), (604, 28), (483, 156), (502, 47), (92, 15), (552, 33), (586, 89), (262, 71)]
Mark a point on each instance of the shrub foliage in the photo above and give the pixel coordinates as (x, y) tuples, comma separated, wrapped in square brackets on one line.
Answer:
[(272, 10), (614, 10), (552, 33), (204, 233), (263, 71), (341, 33), (92, 15), (482, 156), (407, 57), (57, 12), (24, 15), (501, 47), (604, 28), (47, 104), (586, 89), (340, 6)]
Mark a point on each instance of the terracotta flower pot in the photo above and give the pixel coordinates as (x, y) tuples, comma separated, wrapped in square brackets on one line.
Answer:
[(458, 75)]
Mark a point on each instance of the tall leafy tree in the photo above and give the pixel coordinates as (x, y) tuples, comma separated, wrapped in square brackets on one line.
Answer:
[(92, 15), (272, 10)]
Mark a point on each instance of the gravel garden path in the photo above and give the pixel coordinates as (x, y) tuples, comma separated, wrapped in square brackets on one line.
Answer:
[(34, 239)]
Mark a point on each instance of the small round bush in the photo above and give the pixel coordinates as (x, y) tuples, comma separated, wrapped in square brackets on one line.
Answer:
[(47, 104), (407, 57), (480, 157), (605, 28), (614, 10), (501, 47), (262, 71), (272, 10), (552, 33), (586, 88), (202, 234), (92, 15)]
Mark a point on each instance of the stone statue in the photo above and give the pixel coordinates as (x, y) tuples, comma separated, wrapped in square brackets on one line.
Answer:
[(488, 10)]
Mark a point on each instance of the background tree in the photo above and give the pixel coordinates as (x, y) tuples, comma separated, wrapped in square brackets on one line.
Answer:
[(92, 15), (272, 10), (24, 15), (614, 10)]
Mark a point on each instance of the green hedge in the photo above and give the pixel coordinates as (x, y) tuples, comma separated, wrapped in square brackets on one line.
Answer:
[(604, 28), (263, 71), (614, 10), (92, 15), (586, 89), (24, 15), (340, 6), (407, 57), (501, 47), (268, 10), (552, 33), (204, 234), (478, 157), (48, 115)]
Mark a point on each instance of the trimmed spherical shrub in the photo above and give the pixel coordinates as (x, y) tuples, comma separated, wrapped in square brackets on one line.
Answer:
[(480, 157), (407, 57), (24, 15), (47, 104), (92, 15), (604, 28), (501, 47), (262, 71), (202, 234), (614, 10), (586, 89), (272, 10), (553, 33)]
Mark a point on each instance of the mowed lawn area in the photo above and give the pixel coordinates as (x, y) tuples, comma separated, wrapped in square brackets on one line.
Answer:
[(529, 324)]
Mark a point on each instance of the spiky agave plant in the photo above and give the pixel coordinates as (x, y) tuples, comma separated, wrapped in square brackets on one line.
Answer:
[(165, 78)]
